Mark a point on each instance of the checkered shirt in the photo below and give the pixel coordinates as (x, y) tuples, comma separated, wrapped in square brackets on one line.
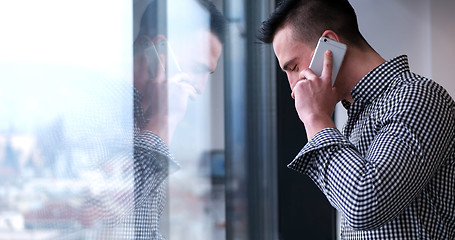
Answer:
[(392, 173), (152, 165)]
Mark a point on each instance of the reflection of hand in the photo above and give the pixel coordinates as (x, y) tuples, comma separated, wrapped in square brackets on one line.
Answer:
[(179, 91), (169, 101)]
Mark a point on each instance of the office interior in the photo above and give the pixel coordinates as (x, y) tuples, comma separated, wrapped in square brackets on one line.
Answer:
[(66, 107)]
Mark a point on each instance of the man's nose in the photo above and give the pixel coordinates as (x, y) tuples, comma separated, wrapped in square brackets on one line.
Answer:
[(292, 79)]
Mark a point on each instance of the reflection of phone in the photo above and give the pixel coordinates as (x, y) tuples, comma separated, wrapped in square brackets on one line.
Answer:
[(171, 67), (338, 50)]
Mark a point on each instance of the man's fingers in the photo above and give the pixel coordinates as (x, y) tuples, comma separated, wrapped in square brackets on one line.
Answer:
[(161, 69), (307, 74), (328, 63), (296, 87)]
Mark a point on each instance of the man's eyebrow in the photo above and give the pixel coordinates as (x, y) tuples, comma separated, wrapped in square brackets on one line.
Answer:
[(286, 65)]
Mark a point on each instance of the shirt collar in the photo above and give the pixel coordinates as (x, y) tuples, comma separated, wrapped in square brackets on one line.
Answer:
[(378, 80)]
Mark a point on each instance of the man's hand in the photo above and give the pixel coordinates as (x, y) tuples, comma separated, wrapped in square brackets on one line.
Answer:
[(315, 99), (169, 101)]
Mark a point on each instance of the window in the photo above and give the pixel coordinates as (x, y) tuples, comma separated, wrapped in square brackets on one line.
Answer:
[(66, 129), (78, 161), (68, 132)]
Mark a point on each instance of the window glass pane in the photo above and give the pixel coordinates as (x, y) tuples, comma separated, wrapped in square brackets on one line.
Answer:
[(65, 127), (196, 203), (132, 120), (187, 36)]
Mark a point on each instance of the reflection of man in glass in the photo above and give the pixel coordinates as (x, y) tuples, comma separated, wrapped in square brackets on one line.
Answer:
[(164, 79)]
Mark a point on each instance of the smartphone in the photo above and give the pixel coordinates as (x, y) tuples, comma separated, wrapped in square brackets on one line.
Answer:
[(338, 51), (163, 47)]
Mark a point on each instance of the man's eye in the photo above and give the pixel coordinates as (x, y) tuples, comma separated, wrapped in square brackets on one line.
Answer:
[(294, 68)]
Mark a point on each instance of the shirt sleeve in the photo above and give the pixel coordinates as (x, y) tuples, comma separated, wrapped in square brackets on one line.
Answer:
[(411, 137), (152, 164)]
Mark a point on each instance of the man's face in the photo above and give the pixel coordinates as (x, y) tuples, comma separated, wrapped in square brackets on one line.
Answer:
[(199, 57), (293, 55)]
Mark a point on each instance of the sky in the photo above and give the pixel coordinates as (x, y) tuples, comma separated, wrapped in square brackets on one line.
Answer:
[(53, 54)]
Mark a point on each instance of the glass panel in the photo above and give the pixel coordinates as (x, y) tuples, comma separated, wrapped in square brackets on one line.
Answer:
[(65, 119), (196, 206), (251, 157), (112, 122), (185, 38), (236, 124)]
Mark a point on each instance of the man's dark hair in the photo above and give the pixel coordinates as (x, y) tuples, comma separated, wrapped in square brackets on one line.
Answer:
[(150, 20), (310, 18), (217, 20), (150, 27)]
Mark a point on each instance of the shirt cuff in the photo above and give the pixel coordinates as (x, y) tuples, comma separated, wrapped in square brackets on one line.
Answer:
[(324, 139)]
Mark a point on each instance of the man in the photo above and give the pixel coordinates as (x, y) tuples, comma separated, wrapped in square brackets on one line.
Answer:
[(392, 173), (161, 95)]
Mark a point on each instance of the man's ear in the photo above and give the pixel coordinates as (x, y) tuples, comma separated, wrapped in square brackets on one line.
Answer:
[(158, 38), (331, 35), (143, 41)]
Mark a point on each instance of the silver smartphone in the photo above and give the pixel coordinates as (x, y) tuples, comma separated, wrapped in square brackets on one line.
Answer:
[(338, 51), (163, 47)]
